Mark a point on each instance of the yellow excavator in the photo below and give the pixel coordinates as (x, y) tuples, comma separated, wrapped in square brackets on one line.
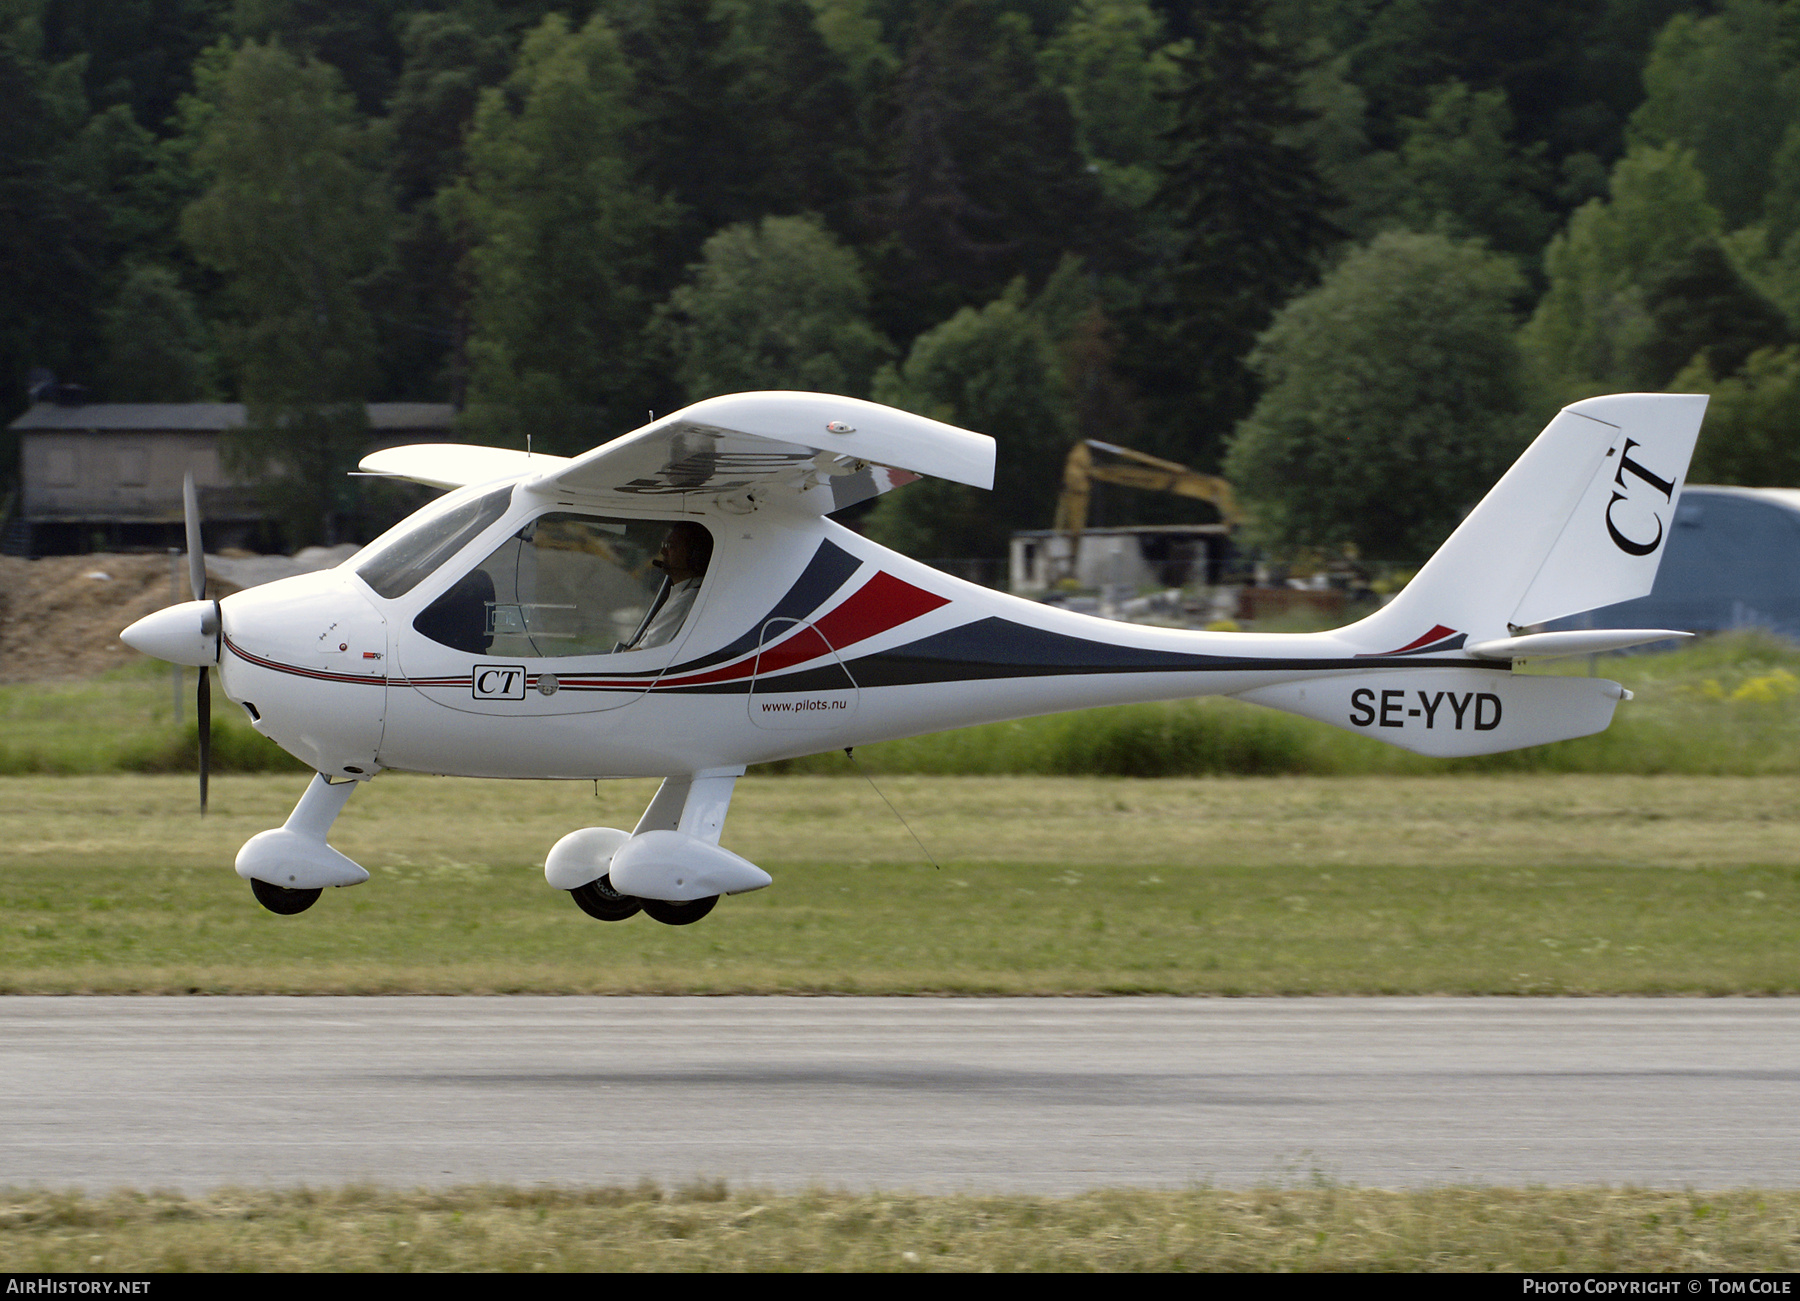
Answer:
[(1092, 461), (1151, 473), (1139, 470)]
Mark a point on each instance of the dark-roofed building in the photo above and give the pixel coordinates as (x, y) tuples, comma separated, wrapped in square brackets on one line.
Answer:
[(108, 475), (1732, 561)]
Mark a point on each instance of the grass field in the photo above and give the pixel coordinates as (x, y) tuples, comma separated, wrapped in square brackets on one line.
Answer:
[(710, 1227), (1495, 884), (1661, 857)]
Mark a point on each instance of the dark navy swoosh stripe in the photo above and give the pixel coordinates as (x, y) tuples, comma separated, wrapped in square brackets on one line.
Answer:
[(997, 648)]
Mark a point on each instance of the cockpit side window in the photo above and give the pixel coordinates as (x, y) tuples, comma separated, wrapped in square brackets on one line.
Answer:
[(415, 553), (568, 585)]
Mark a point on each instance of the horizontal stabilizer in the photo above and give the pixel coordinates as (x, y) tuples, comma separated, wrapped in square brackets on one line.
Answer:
[(1451, 712), (1586, 641), (455, 465)]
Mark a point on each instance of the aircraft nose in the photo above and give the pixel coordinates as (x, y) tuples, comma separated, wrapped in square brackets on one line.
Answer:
[(181, 634)]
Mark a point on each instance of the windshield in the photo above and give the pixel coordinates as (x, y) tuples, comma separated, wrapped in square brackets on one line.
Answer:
[(410, 555)]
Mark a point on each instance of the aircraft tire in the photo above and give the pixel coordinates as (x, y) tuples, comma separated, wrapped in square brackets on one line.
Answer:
[(678, 914), (280, 899), (599, 899)]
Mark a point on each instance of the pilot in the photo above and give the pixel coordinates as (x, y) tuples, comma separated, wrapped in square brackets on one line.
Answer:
[(686, 552)]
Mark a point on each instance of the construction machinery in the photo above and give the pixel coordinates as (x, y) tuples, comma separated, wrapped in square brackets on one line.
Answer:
[(1092, 461)]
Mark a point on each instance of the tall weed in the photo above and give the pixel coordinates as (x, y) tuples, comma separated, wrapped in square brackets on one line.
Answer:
[(1725, 706)]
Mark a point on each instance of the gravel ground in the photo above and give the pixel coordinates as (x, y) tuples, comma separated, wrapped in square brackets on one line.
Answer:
[(60, 616)]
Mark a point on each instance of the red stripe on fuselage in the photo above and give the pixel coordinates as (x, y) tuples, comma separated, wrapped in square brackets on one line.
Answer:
[(882, 603), (1438, 633), (318, 675)]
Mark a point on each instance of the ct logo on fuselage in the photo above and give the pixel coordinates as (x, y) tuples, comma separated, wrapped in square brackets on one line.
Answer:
[(1629, 545), (499, 681)]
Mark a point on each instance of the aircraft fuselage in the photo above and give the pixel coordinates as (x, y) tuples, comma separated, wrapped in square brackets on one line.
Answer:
[(804, 637)]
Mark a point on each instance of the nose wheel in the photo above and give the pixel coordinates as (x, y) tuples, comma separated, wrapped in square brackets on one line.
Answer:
[(280, 899)]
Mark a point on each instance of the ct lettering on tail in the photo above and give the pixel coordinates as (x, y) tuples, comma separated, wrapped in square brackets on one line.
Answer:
[(1665, 486)]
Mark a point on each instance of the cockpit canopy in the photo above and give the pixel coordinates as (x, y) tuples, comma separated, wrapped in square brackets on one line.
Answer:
[(566, 584), (400, 560)]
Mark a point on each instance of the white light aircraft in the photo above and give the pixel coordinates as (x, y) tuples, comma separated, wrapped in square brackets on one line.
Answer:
[(675, 603)]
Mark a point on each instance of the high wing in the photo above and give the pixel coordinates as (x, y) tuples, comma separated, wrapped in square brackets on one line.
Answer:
[(816, 451)]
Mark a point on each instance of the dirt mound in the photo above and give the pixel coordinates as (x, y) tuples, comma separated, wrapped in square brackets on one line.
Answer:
[(60, 616)]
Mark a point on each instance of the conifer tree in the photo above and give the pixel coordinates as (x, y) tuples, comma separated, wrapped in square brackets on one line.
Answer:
[(563, 247), (1249, 209), (984, 180)]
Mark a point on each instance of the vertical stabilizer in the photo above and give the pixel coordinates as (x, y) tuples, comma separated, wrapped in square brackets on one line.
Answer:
[(1610, 549), (1579, 521)]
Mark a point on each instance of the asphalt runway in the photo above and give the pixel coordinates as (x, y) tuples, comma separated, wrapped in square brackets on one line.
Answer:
[(930, 1095)]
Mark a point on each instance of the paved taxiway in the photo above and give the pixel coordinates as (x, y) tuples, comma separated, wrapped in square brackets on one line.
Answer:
[(1045, 1095)]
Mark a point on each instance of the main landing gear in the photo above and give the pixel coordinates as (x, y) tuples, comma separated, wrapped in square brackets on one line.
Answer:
[(671, 866), (679, 914), (599, 899)]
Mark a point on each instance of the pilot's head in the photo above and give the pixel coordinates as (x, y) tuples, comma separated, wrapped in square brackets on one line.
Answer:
[(686, 552)]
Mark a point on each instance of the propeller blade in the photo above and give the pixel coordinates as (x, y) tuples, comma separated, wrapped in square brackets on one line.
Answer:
[(190, 509), (203, 711)]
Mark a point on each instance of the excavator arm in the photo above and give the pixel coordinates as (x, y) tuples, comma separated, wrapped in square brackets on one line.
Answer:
[(1140, 470)]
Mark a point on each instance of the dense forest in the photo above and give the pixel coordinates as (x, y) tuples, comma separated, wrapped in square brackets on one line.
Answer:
[(1350, 252)]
